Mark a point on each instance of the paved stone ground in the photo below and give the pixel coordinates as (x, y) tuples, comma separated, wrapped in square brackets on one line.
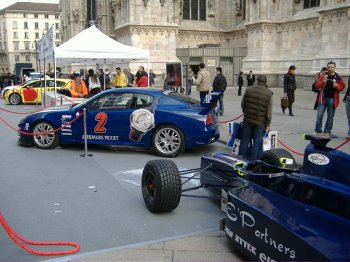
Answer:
[(213, 245)]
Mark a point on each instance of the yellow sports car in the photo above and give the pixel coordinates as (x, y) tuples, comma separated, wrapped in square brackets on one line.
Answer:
[(32, 93)]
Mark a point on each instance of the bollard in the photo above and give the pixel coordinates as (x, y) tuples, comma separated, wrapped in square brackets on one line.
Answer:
[(85, 136), (61, 97)]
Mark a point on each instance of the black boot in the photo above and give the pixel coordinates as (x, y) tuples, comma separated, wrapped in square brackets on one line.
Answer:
[(290, 111)]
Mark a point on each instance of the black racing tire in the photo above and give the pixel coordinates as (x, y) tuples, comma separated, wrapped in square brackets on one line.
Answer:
[(46, 141), (273, 157), (161, 186), (168, 141), (15, 99)]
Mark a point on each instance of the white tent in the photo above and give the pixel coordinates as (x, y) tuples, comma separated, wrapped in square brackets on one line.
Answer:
[(93, 46)]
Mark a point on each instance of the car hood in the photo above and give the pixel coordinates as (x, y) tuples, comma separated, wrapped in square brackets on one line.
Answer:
[(57, 108)]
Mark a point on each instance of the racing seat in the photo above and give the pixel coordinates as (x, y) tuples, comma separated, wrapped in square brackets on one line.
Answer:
[(131, 104)]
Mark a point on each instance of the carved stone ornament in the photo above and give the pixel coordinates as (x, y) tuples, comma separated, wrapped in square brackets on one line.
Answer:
[(145, 2), (297, 1), (75, 13), (254, 1), (181, 6), (162, 2), (211, 8), (119, 4)]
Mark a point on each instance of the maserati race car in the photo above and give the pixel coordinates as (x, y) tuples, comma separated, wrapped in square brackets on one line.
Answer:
[(165, 121), (274, 211), (31, 92)]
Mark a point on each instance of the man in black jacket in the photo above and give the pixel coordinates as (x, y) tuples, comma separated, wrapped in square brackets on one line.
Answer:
[(219, 87), (257, 109), (240, 83)]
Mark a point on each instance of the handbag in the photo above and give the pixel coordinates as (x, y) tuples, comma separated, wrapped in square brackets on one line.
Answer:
[(284, 102)]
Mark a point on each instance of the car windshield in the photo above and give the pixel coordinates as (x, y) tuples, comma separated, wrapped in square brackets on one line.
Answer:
[(181, 97)]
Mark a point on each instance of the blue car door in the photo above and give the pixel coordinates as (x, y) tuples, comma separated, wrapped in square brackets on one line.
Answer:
[(108, 118)]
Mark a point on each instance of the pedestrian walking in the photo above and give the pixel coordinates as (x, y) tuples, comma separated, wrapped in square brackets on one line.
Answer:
[(250, 78), (240, 83), (290, 86), (330, 85), (202, 81), (257, 108), (219, 87)]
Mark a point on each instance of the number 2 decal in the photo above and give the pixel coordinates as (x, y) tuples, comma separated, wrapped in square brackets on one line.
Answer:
[(102, 119)]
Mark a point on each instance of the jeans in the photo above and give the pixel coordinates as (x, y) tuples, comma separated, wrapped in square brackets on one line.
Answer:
[(327, 103), (221, 104), (347, 106), (251, 132)]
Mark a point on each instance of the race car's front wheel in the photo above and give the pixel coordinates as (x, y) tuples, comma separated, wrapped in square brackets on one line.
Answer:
[(279, 157), (45, 138), (168, 141), (15, 99), (161, 186)]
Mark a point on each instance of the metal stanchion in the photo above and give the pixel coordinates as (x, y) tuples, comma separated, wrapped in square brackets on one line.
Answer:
[(61, 97), (85, 136)]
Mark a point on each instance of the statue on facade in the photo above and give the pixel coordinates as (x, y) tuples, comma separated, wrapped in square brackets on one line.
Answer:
[(181, 6), (211, 8), (162, 2), (145, 2), (75, 13)]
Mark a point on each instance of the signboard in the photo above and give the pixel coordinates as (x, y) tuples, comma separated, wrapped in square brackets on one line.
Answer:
[(211, 63), (46, 45)]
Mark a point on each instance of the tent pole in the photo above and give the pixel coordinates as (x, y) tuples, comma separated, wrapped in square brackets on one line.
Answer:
[(44, 98), (54, 71), (148, 71)]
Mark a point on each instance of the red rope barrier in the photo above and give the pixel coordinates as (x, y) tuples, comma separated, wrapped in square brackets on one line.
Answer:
[(227, 121), (18, 238), (24, 113), (342, 144), (288, 148), (43, 133)]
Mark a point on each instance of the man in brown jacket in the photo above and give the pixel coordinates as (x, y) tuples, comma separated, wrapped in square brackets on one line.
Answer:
[(257, 109), (202, 81)]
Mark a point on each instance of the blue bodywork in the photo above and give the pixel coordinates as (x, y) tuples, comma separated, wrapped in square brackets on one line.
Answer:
[(284, 214), (168, 108)]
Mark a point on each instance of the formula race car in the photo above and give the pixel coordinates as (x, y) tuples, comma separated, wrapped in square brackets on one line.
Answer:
[(274, 210)]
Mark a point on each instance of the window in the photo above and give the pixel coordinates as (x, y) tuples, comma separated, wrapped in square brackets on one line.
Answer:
[(57, 35), (47, 26), (115, 101), (36, 35), (14, 15), (24, 15), (27, 58), (26, 35), (0, 36), (36, 25), (17, 58), (57, 16), (36, 16), (311, 3), (25, 25), (15, 46), (57, 26), (1, 49), (46, 16), (15, 25), (26, 45), (194, 10), (15, 35)]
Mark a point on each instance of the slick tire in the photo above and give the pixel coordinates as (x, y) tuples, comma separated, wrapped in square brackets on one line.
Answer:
[(274, 157), (161, 186)]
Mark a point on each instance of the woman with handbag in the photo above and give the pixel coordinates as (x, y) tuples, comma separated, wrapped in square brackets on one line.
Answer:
[(289, 88)]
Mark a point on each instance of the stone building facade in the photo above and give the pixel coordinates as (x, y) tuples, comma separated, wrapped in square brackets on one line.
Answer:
[(273, 33)]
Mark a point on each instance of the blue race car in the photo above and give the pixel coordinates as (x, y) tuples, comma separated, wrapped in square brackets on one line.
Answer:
[(165, 121), (274, 211)]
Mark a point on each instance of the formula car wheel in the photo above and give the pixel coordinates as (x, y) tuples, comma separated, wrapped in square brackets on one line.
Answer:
[(168, 141), (47, 140), (15, 99), (161, 186), (279, 157)]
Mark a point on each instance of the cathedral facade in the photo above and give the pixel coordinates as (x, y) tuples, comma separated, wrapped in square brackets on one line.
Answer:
[(272, 34)]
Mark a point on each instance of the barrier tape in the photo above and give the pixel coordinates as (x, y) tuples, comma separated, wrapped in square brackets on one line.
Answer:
[(18, 239), (42, 133), (24, 113)]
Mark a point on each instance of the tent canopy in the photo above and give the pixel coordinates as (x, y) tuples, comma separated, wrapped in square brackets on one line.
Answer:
[(93, 46)]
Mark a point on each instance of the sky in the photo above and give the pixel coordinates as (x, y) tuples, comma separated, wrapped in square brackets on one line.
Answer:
[(5, 3)]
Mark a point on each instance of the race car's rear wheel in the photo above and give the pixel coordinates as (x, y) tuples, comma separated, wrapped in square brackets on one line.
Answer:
[(47, 139), (161, 186), (168, 141), (15, 99), (279, 157)]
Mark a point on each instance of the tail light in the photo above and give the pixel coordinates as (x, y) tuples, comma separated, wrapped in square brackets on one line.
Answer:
[(209, 120)]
